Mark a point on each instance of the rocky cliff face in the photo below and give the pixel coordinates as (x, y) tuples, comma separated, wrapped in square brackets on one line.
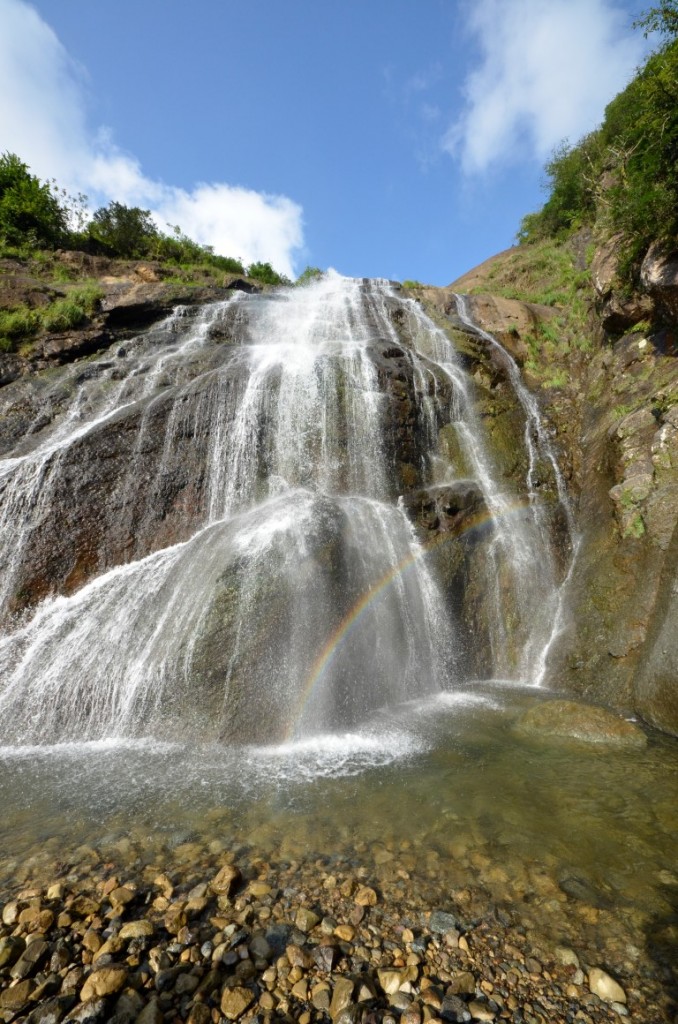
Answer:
[(611, 406), (614, 415)]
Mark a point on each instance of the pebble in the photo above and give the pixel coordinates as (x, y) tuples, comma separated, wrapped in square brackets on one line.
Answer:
[(104, 981), (441, 922), (202, 944), (234, 1001), (305, 920), (365, 896), (605, 987)]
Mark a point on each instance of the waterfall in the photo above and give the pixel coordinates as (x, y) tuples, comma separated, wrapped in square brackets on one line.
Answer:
[(212, 526)]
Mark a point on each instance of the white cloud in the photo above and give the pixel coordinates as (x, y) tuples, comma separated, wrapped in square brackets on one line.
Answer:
[(43, 120), (547, 69)]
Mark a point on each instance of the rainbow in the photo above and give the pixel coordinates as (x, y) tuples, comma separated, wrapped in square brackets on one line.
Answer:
[(353, 617)]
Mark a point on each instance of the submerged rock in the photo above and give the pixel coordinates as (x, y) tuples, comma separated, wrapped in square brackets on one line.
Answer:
[(567, 720), (605, 987)]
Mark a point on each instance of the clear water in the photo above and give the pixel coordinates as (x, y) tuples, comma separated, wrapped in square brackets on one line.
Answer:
[(578, 841)]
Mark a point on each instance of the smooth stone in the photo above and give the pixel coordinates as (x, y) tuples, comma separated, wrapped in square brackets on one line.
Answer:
[(351, 1014), (200, 1014), (136, 930), (342, 994), (305, 919), (186, 983), (151, 1013), (225, 881), (390, 980), (234, 1001), (605, 987), (455, 1010), (260, 947), (103, 981), (480, 1011), (462, 983), (324, 957), (94, 1012), (51, 1011), (30, 959), (566, 957), (365, 896), (585, 723), (16, 997), (320, 996)]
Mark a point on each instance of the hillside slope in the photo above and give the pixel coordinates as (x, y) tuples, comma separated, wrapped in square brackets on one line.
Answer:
[(611, 399)]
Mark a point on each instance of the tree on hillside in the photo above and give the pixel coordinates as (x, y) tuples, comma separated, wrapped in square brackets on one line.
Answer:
[(265, 273), (121, 230), (29, 212), (663, 18)]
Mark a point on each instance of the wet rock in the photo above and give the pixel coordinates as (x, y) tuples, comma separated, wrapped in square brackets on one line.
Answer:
[(30, 959), (16, 997), (567, 720), (93, 1012), (365, 896), (566, 956), (605, 987), (455, 1010), (442, 921), (52, 1011)]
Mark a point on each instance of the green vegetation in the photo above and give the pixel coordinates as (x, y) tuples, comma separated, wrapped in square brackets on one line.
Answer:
[(636, 527), (37, 218), (623, 178), (16, 325), (265, 273), (30, 215), (74, 309), (548, 272), (412, 284), (309, 275)]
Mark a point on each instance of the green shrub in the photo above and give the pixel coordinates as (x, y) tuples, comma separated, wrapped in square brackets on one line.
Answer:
[(623, 177), (265, 273), (73, 310), (16, 325), (308, 275)]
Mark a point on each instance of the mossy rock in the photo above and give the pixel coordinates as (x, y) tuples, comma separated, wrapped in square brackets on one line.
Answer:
[(565, 720)]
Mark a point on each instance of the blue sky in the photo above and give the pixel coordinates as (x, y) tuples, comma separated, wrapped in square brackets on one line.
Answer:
[(366, 135)]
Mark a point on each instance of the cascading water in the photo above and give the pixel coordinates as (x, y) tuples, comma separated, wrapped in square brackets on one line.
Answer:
[(245, 569)]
